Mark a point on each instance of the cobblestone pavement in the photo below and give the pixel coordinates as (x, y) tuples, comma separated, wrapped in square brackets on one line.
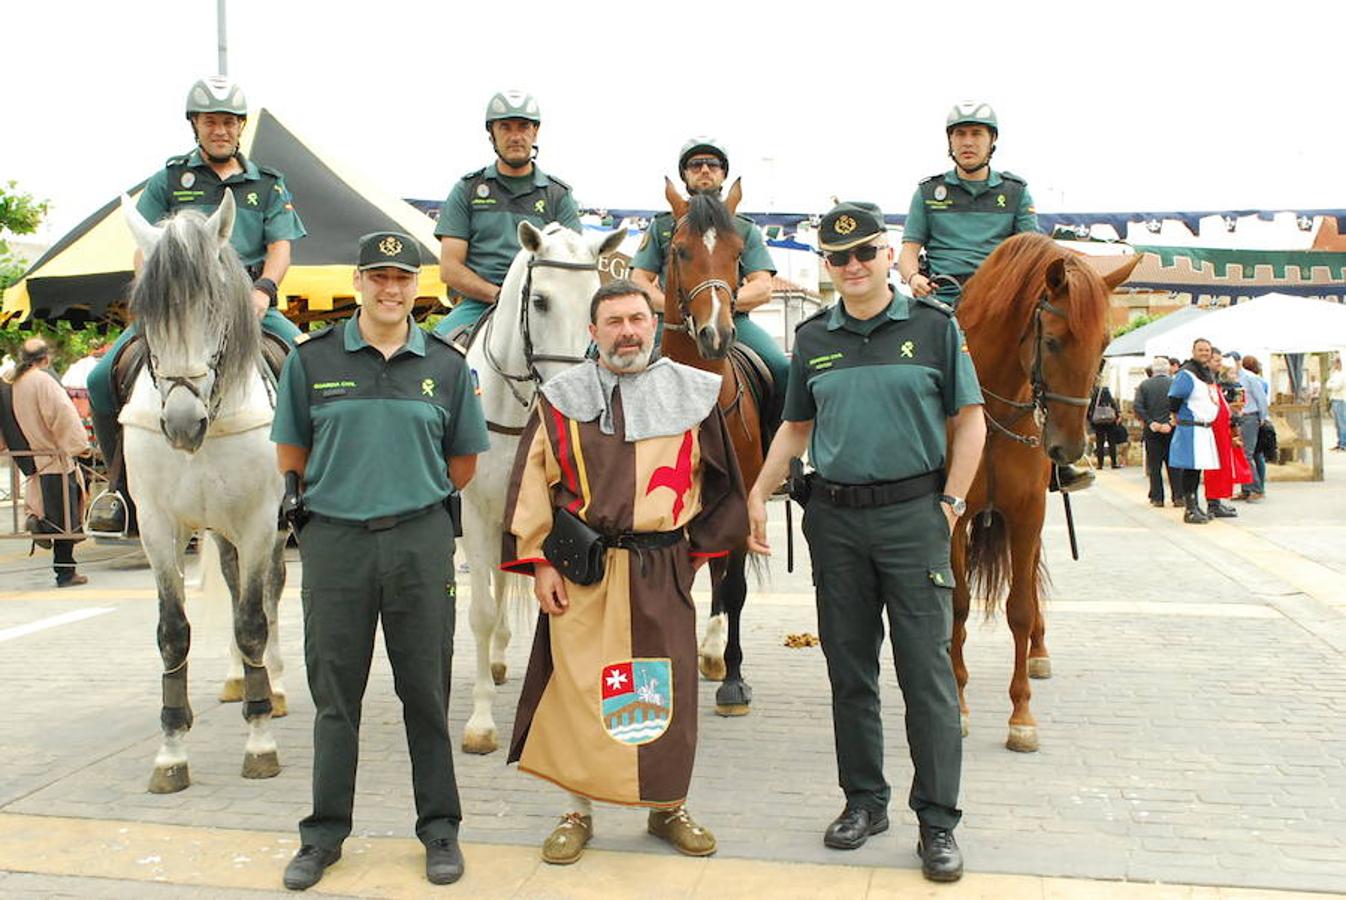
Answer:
[(1194, 731)]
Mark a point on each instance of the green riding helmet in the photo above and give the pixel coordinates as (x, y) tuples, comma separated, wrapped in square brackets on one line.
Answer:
[(703, 145), (512, 105), (972, 112), (216, 94)]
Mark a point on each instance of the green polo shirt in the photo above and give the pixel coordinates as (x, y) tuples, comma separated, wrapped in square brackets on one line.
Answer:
[(879, 391), (379, 431), (264, 209), (653, 253), (960, 222), (485, 209)]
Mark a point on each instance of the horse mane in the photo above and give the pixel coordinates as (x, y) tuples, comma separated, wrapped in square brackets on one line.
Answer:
[(190, 282), (1006, 287), (707, 211)]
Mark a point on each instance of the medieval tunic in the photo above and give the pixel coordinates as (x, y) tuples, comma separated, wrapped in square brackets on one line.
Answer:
[(609, 705), (48, 419), (1193, 444)]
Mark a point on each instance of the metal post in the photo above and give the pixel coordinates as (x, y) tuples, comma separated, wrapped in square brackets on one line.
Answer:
[(222, 39)]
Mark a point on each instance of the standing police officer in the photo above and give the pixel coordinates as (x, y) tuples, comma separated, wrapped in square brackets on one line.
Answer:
[(479, 222), (875, 381), (382, 424), (704, 166), (264, 226)]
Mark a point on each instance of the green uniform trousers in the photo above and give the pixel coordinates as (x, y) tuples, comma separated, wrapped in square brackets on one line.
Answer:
[(891, 558), (354, 577), (466, 312)]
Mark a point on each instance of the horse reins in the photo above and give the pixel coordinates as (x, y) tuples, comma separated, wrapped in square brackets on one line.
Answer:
[(531, 359)]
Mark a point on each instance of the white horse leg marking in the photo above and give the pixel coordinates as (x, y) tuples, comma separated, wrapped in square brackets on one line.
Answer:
[(479, 735), (711, 651)]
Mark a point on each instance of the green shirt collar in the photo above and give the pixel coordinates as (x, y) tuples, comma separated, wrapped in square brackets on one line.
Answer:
[(992, 180), (540, 178), (196, 161), (899, 309), (354, 341)]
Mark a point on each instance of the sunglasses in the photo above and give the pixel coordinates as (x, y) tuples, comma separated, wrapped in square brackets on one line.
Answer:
[(712, 164), (864, 254)]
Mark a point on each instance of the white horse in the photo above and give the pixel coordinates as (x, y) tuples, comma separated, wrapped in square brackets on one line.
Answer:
[(199, 456), (538, 328)]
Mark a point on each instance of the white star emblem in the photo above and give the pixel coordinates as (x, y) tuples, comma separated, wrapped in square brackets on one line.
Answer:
[(616, 678)]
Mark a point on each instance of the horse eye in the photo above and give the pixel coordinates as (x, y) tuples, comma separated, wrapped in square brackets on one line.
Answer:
[(683, 253), (540, 302), (1053, 344)]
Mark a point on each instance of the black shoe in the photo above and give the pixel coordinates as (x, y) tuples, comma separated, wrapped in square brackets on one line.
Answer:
[(1219, 511), (941, 860), (1178, 502), (853, 827), (1157, 503), (1194, 514), (1074, 478), (73, 581), (305, 870), (443, 861)]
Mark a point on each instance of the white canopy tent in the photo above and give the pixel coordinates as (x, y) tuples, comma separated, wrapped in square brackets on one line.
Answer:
[(1272, 323)]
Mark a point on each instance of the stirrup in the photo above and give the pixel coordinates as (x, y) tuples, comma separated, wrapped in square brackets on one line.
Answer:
[(115, 498)]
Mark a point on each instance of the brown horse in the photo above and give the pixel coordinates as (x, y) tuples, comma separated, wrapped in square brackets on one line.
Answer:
[(700, 284), (1035, 318)]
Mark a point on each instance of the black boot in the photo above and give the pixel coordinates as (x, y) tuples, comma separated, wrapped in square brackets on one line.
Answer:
[(1073, 478), (1194, 515), (110, 512), (1219, 510)]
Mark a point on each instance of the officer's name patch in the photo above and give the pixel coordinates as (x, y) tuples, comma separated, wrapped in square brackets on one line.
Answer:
[(825, 361), (329, 385)]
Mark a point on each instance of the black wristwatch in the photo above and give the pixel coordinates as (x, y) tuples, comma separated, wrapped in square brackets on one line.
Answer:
[(957, 504)]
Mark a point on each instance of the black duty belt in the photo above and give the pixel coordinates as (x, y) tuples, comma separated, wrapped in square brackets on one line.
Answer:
[(879, 493), (382, 523), (1194, 424)]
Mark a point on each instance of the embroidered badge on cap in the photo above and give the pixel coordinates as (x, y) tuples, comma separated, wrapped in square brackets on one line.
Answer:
[(637, 702), (845, 225), (390, 246)]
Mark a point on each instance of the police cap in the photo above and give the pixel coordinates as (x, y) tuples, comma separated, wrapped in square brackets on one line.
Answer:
[(390, 248), (850, 224)]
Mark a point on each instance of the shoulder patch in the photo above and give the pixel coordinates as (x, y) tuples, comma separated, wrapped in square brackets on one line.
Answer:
[(470, 175), (444, 339), (553, 179), (934, 302), (743, 218), (1010, 176)]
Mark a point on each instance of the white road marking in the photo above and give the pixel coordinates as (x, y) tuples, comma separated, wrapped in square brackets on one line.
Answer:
[(77, 615)]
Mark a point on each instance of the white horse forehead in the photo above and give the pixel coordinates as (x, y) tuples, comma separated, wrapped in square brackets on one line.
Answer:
[(709, 239)]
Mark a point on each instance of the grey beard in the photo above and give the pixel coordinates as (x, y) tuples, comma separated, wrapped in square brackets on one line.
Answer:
[(635, 360)]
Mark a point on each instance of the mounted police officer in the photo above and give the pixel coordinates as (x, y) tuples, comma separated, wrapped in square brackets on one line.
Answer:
[(478, 223), (380, 424), (957, 218), (704, 166), (265, 224), (877, 383)]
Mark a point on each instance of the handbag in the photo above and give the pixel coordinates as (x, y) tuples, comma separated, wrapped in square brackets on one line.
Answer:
[(1104, 414), (576, 550), (1266, 440)]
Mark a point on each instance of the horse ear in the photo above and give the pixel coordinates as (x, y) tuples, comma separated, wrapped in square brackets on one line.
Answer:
[(1118, 276), (675, 200), (221, 221), (609, 242), (145, 234), (529, 237), (735, 195), (1056, 275)]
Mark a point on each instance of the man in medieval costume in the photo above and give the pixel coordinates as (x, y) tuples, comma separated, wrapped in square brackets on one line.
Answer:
[(625, 483), (1194, 399)]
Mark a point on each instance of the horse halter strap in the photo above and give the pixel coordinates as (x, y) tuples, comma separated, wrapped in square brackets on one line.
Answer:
[(1041, 396), (531, 359)]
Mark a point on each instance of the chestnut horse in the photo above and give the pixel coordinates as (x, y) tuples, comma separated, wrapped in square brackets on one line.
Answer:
[(1036, 321), (700, 283)]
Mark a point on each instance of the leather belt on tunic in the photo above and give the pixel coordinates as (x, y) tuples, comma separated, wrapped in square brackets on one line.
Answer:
[(1195, 424), (382, 523), (879, 493), (639, 542)]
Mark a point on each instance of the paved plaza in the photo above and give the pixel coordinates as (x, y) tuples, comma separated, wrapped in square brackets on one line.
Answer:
[(1193, 739)]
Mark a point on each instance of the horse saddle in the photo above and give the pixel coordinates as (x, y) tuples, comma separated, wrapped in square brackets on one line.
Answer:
[(753, 371), (464, 335), (131, 359)]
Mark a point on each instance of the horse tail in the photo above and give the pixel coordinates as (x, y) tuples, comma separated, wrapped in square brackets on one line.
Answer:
[(988, 558), (518, 602)]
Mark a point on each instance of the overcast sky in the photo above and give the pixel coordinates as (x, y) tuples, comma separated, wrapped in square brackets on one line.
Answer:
[(1139, 105)]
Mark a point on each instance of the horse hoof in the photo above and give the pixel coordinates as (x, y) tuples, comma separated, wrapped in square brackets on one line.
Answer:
[(480, 744), (279, 707), (170, 779), (1023, 738), (261, 765), (1039, 667), (498, 672), (731, 710), (963, 720), (232, 691), (712, 669)]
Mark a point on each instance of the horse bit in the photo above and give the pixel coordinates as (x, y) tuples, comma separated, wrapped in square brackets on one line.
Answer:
[(525, 327), (1041, 395)]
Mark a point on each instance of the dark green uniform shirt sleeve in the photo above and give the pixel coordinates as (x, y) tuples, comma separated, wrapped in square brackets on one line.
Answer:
[(961, 388), (651, 255), (1026, 217), (755, 257), (799, 405), (282, 222), (569, 213), (917, 229), (466, 434), (454, 216), (153, 202), (292, 423)]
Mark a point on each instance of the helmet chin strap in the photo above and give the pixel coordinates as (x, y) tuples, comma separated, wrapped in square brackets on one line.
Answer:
[(984, 164)]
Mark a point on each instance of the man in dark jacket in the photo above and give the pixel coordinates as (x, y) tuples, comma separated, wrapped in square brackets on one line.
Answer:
[(1151, 406)]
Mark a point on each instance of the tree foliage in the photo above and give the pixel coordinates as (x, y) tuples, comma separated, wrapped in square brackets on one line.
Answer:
[(19, 214)]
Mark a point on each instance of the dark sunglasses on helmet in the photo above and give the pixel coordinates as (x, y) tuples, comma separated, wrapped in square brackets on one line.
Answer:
[(864, 253), (708, 162)]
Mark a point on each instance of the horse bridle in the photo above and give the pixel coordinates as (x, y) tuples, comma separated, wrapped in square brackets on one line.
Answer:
[(531, 359), (188, 382), (1041, 396), (685, 298)]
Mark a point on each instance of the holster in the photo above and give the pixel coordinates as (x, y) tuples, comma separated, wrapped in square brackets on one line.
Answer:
[(292, 508), (799, 484)]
